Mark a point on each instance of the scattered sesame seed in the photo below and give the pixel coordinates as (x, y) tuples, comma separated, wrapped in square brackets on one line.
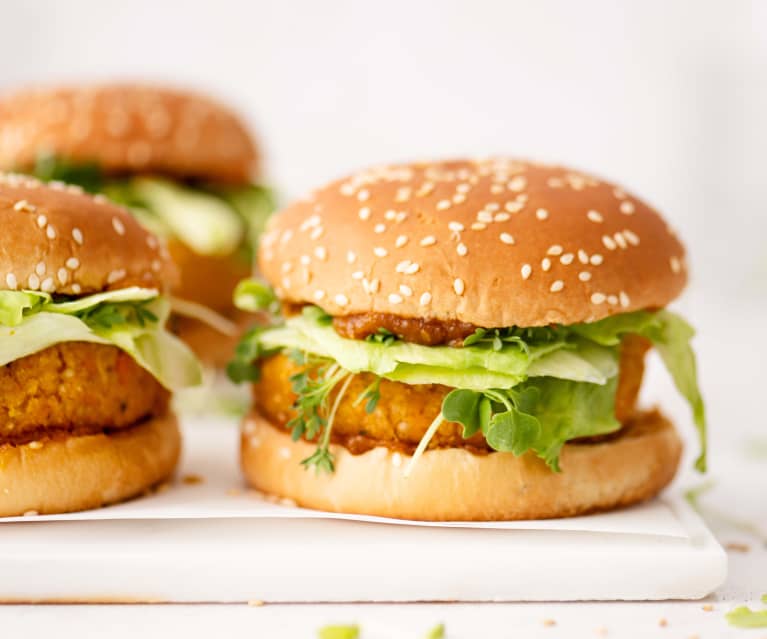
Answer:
[(23, 205), (118, 226), (319, 294), (42, 221), (502, 217), (609, 243), (555, 249), (403, 194), (425, 189), (429, 240), (632, 237), (598, 298), (496, 189), (556, 285), (567, 258), (402, 266), (456, 227), (676, 265), (478, 226), (77, 236), (341, 299), (517, 183), (390, 214), (50, 232), (624, 299), (425, 299), (461, 249), (347, 189), (526, 271), (402, 215), (620, 240), (34, 282), (10, 280), (596, 259), (151, 240), (47, 285), (405, 290), (485, 216), (619, 193), (583, 257), (317, 233), (595, 216), (584, 276), (507, 238), (541, 214), (514, 207), (76, 289), (351, 257), (286, 236), (379, 228), (458, 286), (545, 263), (364, 213), (612, 299), (40, 268), (492, 206), (627, 208), (115, 275), (555, 183), (321, 253), (412, 269), (459, 198), (363, 195), (305, 260), (463, 187), (358, 275), (287, 267), (400, 241), (380, 251), (395, 298)]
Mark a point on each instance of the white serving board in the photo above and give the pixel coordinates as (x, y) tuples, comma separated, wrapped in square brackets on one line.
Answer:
[(216, 542)]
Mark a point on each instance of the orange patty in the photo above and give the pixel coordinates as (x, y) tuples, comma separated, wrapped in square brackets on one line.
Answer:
[(405, 411), (76, 388)]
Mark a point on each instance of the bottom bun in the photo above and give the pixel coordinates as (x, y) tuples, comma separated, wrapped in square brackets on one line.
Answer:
[(79, 473), (455, 485)]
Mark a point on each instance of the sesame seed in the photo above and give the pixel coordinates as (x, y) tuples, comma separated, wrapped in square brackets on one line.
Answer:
[(517, 183), (556, 286), (526, 271), (50, 232), (347, 189), (496, 189), (429, 240), (555, 183), (380, 251), (514, 207), (402, 266), (609, 243), (321, 253), (405, 290), (676, 265), (507, 238), (632, 237), (10, 280), (363, 195), (598, 298), (156, 265), (459, 198), (375, 285), (567, 258), (305, 260), (287, 267), (541, 214), (358, 275), (40, 268), (118, 226), (626, 207), (458, 286), (412, 269), (115, 275), (625, 301), (595, 216), (461, 249), (47, 285), (478, 226), (286, 236), (612, 299), (502, 217), (23, 205), (555, 249), (584, 276), (620, 240), (77, 236), (151, 240), (456, 227), (319, 294), (400, 241), (42, 221), (351, 257), (545, 263), (379, 228), (76, 289), (72, 263), (341, 299), (364, 213), (402, 215), (583, 257), (425, 189), (395, 298), (619, 193), (390, 214), (34, 282), (403, 194), (425, 299), (485, 216), (596, 259), (492, 206), (317, 233)]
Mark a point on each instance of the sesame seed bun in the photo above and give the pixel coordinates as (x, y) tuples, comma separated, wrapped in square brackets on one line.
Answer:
[(127, 129), (78, 473), (57, 239), (613, 473), (492, 243)]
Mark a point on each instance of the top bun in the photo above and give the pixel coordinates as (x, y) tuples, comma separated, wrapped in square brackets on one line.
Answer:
[(493, 243), (57, 239), (127, 129)]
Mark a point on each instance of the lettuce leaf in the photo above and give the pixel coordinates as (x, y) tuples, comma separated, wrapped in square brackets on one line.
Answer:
[(131, 319)]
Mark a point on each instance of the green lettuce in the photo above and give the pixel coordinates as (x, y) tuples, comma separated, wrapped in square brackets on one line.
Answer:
[(131, 319)]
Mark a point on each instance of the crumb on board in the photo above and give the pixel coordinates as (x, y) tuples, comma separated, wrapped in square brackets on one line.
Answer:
[(549, 623), (736, 546), (255, 603), (191, 479), (663, 623), (708, 607)]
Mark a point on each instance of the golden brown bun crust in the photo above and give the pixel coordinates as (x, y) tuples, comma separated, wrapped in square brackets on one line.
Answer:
[(455, 485), (79, 473), (492, 243), (127, 129), (57, 239)]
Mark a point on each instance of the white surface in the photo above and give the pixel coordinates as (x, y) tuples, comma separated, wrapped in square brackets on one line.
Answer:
[(243, 545)]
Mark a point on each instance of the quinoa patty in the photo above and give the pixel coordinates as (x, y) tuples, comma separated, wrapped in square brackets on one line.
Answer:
[(75, 388), (405, 411)]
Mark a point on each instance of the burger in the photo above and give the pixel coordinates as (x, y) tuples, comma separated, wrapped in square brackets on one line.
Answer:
[(184, 165), (86, 364), (464, 340)]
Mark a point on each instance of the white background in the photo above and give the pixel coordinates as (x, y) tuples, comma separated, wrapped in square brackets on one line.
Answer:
[(668, 98)]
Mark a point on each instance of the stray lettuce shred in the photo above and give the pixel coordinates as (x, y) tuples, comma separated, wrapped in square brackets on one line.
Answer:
[(524, 389), (132, 319)]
